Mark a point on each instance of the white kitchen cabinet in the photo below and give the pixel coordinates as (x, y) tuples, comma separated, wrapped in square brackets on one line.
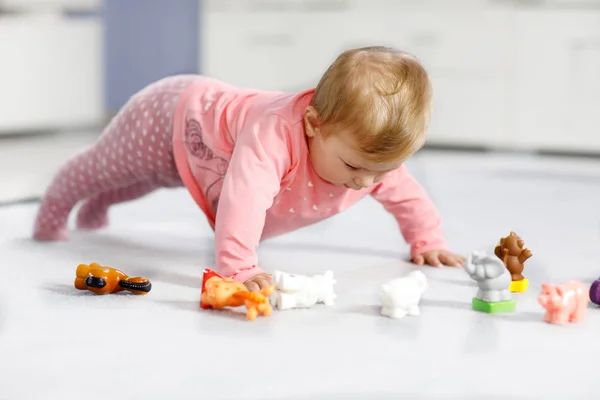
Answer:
[(272, 50), (249, 52), (52, 73), (280, 44), (287, 45), (506, 74), (556, 83), (466, 52), (36, 5)]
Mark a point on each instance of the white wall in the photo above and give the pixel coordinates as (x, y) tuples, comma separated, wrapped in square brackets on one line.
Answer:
[(506, 74)]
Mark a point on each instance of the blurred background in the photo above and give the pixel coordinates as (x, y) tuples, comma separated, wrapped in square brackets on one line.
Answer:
[(509, 75)]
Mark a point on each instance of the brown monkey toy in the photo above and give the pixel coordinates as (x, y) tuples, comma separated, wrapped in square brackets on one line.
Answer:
[(103, 280), (511, 250)]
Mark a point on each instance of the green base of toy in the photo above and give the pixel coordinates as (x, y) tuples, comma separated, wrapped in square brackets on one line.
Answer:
[(494, 308)]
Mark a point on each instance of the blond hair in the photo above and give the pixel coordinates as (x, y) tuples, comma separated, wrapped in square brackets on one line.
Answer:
[(383, 95)]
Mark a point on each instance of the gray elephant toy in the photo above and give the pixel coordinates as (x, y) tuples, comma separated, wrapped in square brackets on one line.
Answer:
[(491, 275)]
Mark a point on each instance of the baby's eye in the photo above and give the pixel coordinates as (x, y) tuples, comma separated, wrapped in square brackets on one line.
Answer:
[(350, 167)]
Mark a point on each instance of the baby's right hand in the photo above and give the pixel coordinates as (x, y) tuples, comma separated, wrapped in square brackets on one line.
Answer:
[(258, 282)]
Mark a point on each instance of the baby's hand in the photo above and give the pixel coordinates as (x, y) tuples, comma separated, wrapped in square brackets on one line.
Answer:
[(437, 258), (258, 282)]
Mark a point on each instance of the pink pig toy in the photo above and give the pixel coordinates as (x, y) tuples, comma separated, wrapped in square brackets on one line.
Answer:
[(564, 303)]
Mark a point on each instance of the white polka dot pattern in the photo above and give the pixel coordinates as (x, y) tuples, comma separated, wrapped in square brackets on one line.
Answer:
[(132, 158)]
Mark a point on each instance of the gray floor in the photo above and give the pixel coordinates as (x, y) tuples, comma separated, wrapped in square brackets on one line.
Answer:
[(58, 343)]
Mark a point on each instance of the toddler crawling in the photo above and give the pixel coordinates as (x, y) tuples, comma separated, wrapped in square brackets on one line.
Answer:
[(263, 163)]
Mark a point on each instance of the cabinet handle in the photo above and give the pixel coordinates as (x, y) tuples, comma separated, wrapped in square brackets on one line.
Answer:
[(519, 3), (424, 38), (270, 39), (299, 5)]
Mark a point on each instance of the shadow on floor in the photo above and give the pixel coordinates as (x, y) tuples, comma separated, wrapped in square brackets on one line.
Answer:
[(66, 290), (458, 282), (370, 309), (194, 306), (523, 316), (135, 259), (362, 309), (147, 259), (92, 240), (89, 240), (70, 290), (327, 248), (456, 305)]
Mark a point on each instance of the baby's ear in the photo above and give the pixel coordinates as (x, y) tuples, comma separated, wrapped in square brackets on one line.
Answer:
[(311, 121)]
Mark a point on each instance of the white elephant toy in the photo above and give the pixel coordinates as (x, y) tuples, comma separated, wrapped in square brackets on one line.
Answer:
[(491, 275), (299, 291), (401, 296)]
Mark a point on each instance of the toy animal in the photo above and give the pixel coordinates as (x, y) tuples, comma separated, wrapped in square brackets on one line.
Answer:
[(299, 291), (492, 277), (513, 254), (103, 280), (219, 292), (564, 303), (595, 292), (401, 296)]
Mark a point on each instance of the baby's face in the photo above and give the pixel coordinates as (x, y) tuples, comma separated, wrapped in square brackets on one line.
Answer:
[(336, 161)]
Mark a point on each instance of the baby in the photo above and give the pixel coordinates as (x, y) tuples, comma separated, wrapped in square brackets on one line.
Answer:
[(263, 163)]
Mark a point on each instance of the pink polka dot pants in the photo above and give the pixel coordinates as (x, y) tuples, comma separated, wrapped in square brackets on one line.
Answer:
[(132, 158)]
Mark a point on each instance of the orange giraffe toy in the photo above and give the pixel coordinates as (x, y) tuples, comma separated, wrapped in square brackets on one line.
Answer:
[(103, 280), (219, 292)]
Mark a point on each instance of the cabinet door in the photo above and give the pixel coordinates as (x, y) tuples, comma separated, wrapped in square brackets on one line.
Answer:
[(465, 49), (51, 73), (267, 45), (466, 53), (583, 104), (557, 81), (247, 50), (50, 4)]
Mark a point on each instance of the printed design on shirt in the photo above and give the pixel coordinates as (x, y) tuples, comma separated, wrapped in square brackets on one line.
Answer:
[(193, 136), (205, 159)]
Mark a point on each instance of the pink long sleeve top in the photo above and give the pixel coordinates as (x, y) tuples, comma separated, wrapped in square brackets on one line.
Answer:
[(270, 187)]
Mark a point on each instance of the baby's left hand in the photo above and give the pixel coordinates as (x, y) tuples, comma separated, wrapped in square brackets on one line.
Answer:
[(438, 258)]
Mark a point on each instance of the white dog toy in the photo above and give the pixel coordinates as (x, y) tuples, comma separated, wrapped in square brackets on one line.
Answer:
[(299, 291), (401, 296)]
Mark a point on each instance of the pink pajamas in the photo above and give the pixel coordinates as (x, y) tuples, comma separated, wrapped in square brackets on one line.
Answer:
[(133, 157), (242, 150)]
